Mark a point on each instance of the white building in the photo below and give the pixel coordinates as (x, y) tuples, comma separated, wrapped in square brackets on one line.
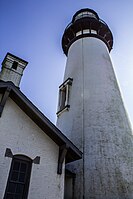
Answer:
[(33, 151), (91, 112)]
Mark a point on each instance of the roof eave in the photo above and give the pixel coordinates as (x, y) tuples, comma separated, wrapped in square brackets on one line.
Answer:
[(42, 121)]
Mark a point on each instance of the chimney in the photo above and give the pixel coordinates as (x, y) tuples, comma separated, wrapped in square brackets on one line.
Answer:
[(12, 69)]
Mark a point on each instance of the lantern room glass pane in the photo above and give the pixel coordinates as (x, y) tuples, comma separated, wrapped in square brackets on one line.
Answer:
[(93, 31), (79, 33), (85, 14), (86, 31)]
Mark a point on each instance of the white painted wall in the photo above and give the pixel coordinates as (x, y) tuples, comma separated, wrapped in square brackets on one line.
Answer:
[(19, 133), (97, 123)]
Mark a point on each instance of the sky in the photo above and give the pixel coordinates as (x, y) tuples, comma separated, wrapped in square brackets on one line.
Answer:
[(33, 29)]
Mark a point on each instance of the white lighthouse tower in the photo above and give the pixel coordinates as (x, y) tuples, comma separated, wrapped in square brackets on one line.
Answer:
[(91, 112)]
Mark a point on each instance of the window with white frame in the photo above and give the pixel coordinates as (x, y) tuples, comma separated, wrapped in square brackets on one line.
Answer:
[(64, 92)]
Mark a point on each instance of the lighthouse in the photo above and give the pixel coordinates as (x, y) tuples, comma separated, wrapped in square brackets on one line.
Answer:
[(91, 113)]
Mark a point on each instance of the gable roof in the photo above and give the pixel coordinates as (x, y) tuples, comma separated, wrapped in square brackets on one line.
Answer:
[(73, 153)]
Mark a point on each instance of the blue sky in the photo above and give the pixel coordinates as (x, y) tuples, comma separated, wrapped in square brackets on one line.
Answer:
[(32, 30)]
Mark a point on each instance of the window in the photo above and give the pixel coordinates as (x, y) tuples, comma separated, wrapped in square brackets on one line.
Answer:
[(14, 65), (19, 177), (63, 97), (90, 14), (85, 14), (86, 31), (69, 184), (93, 31), (64, 92), (78, 33)]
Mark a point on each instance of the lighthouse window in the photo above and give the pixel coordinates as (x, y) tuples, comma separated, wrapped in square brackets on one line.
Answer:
[(14, 65), (91, 15), (19, 177), (85, 14), (78, 16), (86, 31), (78, 33), (93, 31), (64, 92)]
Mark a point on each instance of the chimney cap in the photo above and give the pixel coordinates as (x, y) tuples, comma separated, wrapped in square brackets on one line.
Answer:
[(11, 55)]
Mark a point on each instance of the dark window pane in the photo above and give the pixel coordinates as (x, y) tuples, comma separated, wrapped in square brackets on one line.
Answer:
[(9, 196), (18, 181), (19, 188), (63, 98), (17, 196), (23, 167), (16, 166), (14, 65), (14, 176), (11, 187), (21, 177)]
